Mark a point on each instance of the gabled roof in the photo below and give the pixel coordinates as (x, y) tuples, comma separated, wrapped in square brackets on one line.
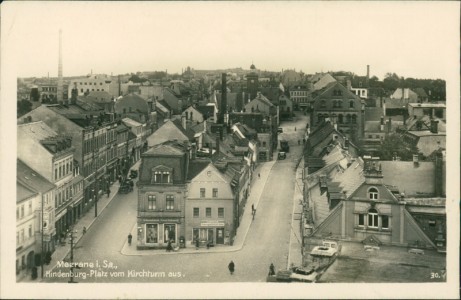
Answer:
[(37, 130), (165, 149), (262, 99), (187, 132), (319, 134), (352, 178), (324, 81), (23, 192), (163, 106), (31, 179)]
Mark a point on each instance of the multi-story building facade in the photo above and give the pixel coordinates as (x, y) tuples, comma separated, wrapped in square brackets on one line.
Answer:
[(35, 226), (52, 156), (162, 190), (95, 83), (209, 208), (343, 108), (300, 95)]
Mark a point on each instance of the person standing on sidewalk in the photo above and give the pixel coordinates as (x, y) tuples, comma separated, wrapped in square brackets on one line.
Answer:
[(130, 237), (231, 267), (271, 270)]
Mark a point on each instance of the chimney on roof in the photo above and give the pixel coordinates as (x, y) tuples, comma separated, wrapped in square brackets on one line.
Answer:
[(368, 72), (193, 149), (372, 170), (415, 160), (183, 121), (434, 126), (349, 85)]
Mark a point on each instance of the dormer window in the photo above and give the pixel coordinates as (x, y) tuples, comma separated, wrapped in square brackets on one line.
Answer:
[(373, 194), (162, 175)]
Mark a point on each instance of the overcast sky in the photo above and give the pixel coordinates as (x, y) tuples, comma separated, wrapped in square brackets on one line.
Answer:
[(412, 39)]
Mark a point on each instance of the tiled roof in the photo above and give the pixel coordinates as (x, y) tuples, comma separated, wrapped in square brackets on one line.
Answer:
[(164, 105), (137, 103), (396, 103), (187, 132), (375, 126), (421, 92), (352, 178), (32, 179), (121, 127), (324, 81), (196, 166), (319, 134)]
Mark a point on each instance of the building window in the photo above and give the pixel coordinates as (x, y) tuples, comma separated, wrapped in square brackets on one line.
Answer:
[(151, 233), (30, 231), (323, 104), (215, 193), (373, 194), (354, 119), (22, 211), (340, 119), (202, 192), (196, 212), (151, 202), (208, 212), (221, 212), (385, 222), (264, 144), (351, 104), (361, 220), (373, 218), (169, 202), (161, 177), (170, 232)]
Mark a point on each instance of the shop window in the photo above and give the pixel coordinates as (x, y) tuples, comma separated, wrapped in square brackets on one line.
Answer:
[(221, 212), (373, 194), (215, 193), (196, 212), (151, 202), (385, 222), (169, 202), (373, 218), (208, 212), (151, 233), (202, 192), (170, 232)]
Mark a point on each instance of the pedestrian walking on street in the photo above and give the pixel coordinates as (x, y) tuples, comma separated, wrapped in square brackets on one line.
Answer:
[(130, 237), (231, 267), (295, 128), (252, 208), (196, 243), (169, 247), (84, 229), (108, 192), (259, 176), (271, 270)]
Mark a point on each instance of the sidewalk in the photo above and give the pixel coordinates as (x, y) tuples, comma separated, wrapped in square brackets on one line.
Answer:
[(61, 252), (295, 256), (256, 189)]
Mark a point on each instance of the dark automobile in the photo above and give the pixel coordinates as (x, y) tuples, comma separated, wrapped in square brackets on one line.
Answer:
[(133, 173), (125, 189)]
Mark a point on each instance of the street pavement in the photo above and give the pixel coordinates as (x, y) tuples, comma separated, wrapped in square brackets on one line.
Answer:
[(272, 237)]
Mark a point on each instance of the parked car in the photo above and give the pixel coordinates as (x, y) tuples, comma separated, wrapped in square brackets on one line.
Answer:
[(125, 189), (282, 155), (133, 173)]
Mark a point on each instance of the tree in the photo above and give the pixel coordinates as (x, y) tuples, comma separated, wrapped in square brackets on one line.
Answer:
[(34, 94), (24, 106), (394, 145)]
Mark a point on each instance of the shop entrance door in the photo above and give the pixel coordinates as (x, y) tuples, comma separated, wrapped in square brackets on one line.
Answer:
[(210, 236), (219, 235)]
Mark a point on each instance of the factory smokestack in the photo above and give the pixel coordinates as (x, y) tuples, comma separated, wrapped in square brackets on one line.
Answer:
[(60, 85), (223, 108)]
